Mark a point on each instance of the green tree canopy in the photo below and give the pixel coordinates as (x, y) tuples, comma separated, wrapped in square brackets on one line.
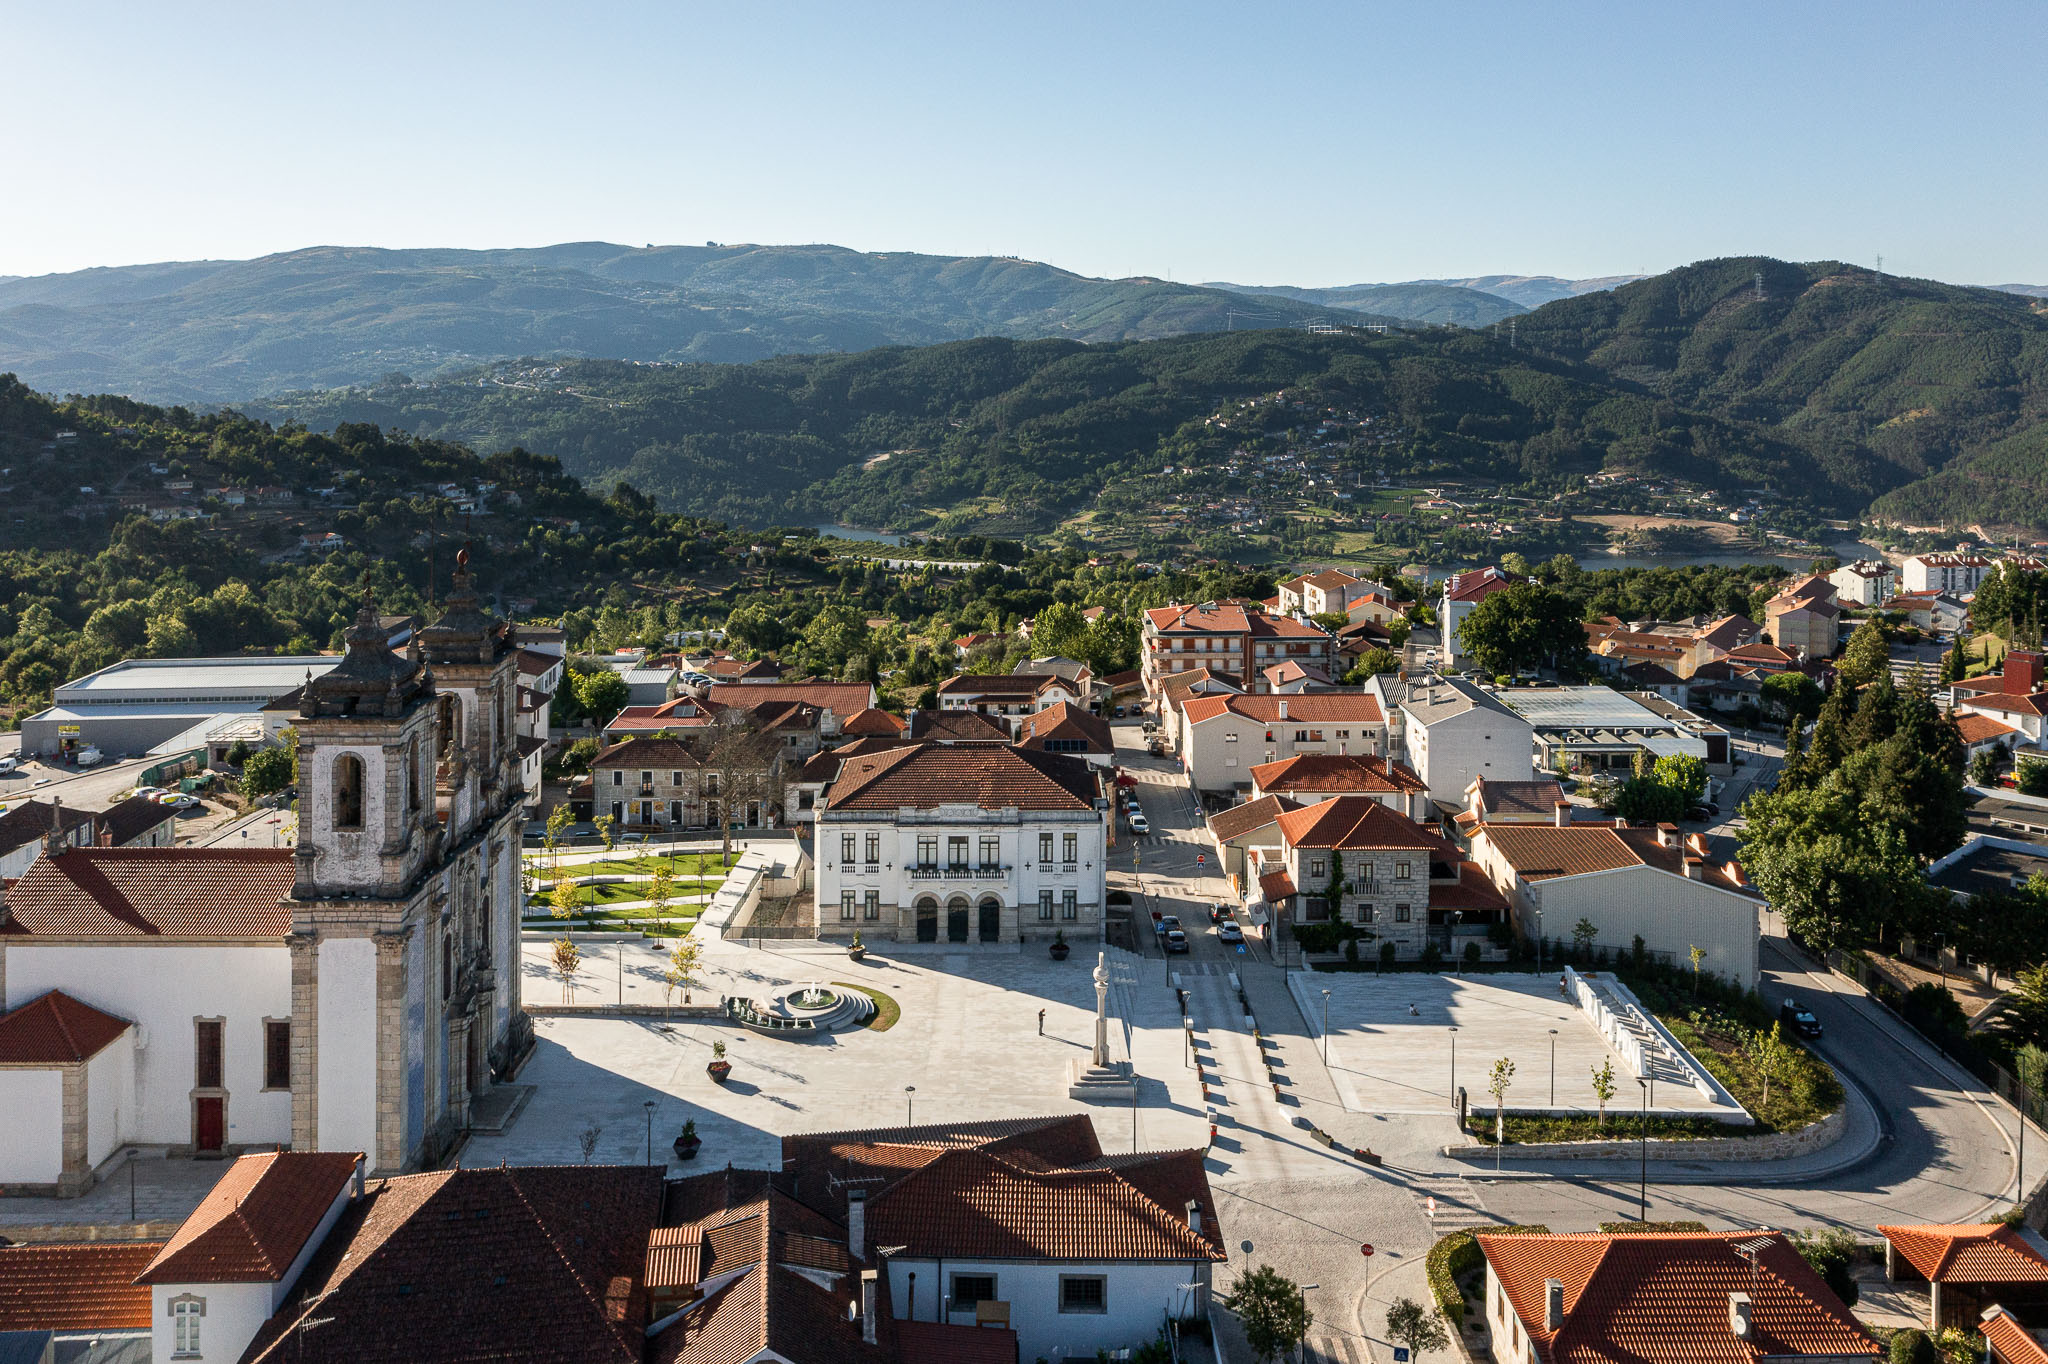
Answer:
[(1524, 627)]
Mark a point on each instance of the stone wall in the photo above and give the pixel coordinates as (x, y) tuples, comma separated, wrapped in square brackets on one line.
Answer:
[(1775, 1146)]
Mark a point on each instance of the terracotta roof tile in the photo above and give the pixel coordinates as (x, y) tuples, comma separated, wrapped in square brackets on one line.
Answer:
[(256, 1219), (935, 1342), (843, 699), (31, 819), (1663, 1298), (1306, 708), (2010, 1342), (991, 777), (1988, 1252), (75, 1287), (872, 723), (1518, 797), (55, 1029), (648, 752), (1275, 886), (1064, 720), (1347, 822), (1539, 852), (1472, 892), (955, 726), (1976, 729), (1254, 814), (1478, 584), (1336, 772), (535, 1263), (154, 892)]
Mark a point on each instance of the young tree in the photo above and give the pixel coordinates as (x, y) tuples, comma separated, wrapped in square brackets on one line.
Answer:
[(1274, 1312), (568, 960), (681, 972), (559, 820), (1603, 1087), (660, 890), (742, 765), (1498, 1081), (601, 695), (268, 770), (1583, 933), (605, 824), (587, 1139), (1696, 954), (1770, 1054), (1418, 1328)]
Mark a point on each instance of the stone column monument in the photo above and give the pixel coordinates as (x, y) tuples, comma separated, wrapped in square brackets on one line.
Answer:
[(1099, 1078)]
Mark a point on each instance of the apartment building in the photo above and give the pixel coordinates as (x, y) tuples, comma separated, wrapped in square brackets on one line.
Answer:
[(1241, 638)]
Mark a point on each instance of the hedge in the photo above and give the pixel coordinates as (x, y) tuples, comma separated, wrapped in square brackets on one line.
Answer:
[(1459, 1254), (1650, 1228)]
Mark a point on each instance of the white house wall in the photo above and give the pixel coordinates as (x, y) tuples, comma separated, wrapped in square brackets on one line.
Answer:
[(1672, 913), (1137, 1298), (163, 989), (235, 1312), (1450, 752), (347, 1034), (109, 1098), (31, 1126), (1215, 761)]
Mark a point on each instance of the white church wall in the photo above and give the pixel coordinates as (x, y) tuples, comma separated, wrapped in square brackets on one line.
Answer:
[(163, 989), (109, 1098), (31, 1126), (348, 1044)]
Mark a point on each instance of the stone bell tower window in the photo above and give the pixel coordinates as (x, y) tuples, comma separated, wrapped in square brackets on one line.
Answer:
[(348, 792)]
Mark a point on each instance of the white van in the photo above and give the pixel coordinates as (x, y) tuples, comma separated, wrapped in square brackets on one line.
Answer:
[(88, 756), (8, 764)]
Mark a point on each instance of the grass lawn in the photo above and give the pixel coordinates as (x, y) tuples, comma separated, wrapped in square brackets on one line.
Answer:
[(1713, 1030), (887, 1010), (682, 865)]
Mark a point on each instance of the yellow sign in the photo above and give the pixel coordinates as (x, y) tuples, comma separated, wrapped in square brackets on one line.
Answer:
[(67, 731)]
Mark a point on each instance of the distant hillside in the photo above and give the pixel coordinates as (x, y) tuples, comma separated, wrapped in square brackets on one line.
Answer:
[(1533, 291), (1430, 302), (1931, 398), (225, 331), (2030, 290)]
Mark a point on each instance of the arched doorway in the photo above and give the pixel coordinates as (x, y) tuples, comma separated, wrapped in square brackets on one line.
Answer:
[(991, 919), (956, 919), (927, 919)]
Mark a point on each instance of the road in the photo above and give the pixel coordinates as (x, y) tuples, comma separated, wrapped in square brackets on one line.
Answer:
[(1306, 1211)]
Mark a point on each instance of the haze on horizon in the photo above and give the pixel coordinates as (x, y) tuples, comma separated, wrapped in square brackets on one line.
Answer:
[(1314, 145)]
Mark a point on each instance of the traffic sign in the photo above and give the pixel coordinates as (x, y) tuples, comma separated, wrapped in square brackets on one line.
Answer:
[(1400, 1354), (1201, 859), (1366, 1250), (1430, 1204)]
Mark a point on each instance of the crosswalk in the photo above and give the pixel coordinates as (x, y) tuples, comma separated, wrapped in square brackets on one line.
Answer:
[(1319, 1348), (1449, 1203)]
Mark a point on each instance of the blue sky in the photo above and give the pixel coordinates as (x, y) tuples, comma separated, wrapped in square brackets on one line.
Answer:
[(1267, 143)]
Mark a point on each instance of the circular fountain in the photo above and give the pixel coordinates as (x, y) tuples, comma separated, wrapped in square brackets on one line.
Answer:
[(802, 1011)]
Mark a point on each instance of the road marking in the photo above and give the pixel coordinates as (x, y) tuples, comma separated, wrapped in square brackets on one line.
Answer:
[(1456, 1202), (1336, 1350)]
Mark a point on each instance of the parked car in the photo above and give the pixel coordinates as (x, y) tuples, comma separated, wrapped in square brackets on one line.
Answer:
[(1228, 931), (1798, 1019), (1176, 941), (1166, 923), (1139, 824), (1156, 749), (1119, 712), (8, 764)]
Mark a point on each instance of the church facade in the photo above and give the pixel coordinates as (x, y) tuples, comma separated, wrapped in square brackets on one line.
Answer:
[(355, 993)]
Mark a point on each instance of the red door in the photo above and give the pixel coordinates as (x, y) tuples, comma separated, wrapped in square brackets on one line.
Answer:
[(211, 1119)]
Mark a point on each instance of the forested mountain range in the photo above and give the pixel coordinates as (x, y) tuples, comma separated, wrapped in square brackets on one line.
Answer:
[(1423, 302), (225, 331), (1836, 388)]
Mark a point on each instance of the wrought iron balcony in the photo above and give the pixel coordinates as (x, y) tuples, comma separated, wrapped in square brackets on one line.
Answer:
[(960, 872)]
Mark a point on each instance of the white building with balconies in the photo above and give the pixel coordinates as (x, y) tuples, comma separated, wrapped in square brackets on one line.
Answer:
[(962, 843)]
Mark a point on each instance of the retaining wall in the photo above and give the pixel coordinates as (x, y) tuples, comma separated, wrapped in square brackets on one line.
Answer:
[(1776, 1146)]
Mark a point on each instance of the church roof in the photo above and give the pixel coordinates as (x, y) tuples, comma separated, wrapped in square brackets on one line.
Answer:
[(467, 632), (153, 893), (371, 679)]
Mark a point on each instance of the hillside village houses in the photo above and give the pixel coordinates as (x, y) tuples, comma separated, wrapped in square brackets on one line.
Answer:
[(359, 992), (1241, 638), (1461, 595), (1958, 573), (1804, 618)]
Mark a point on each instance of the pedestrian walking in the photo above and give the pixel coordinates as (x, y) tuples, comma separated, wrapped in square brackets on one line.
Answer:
[(1041, 1022)]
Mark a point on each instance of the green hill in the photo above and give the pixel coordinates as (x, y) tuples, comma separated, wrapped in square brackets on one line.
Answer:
[(1431, 303), (223, 331)]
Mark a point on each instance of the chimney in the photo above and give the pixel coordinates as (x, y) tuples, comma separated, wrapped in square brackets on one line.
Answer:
[(53, 839), (857, 1222), (1694, 867), (1194, 1217), (1667, 835), (868, 1280), (1553, 1305), (2022, 672), (1283, 708), (1738, 1315), (1561, 813), (357, 1190)]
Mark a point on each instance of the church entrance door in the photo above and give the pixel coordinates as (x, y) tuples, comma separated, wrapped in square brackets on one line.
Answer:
[(209, 1124)]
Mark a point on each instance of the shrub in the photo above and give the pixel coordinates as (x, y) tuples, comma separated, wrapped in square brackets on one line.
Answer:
[(1832, 1254), (1455, 1256), (1351, 950), (1471, 954), (1432, 958), (1911, 1346), (1650, 1228), (1387, 953)]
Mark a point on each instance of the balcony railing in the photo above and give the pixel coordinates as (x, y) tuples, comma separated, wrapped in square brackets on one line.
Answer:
[(960, 871)]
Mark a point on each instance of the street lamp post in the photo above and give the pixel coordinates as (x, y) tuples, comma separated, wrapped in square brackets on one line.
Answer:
[(648, 1104), (909, 1102), (1454, 1066), (1539, 942), (1326, 1027), (1553, 1067), (1643, 1188)]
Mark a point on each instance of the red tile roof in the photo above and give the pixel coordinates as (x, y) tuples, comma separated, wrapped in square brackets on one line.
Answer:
[(1335, 772), (1276, 886), (1230, 618), (1988, 1252), (2010, 1342), (646, 751), (1013, 685), (1307, 708), (843, 699), (75, 1287), (1662, 1298), (1976, 729), (956, 727), (256, 1220), (534, 1263), (872, 723), (1539, 852), (989, 776), (1347, 822), (1064, 720), (154, 892), (1473, 892), (55, 1029), (1253, 814), (1478, 585)]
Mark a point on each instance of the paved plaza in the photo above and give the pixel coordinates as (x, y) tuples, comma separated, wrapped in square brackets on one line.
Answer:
[(1386, 1059), (967, 1040)]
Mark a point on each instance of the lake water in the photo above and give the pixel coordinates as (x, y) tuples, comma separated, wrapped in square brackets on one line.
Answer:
[(855, 533), (1848, 551)]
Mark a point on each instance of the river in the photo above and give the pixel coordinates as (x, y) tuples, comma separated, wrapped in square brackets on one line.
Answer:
[(880, 537)]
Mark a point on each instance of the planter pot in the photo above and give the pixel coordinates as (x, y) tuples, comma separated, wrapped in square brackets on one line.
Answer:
[(1368, 1157), (687, 1150), (718, 1070), (1060, 950), (856, 954)]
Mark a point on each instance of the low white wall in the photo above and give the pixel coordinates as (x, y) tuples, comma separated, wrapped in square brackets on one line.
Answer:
[(110, 1098), (31, 1126)]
